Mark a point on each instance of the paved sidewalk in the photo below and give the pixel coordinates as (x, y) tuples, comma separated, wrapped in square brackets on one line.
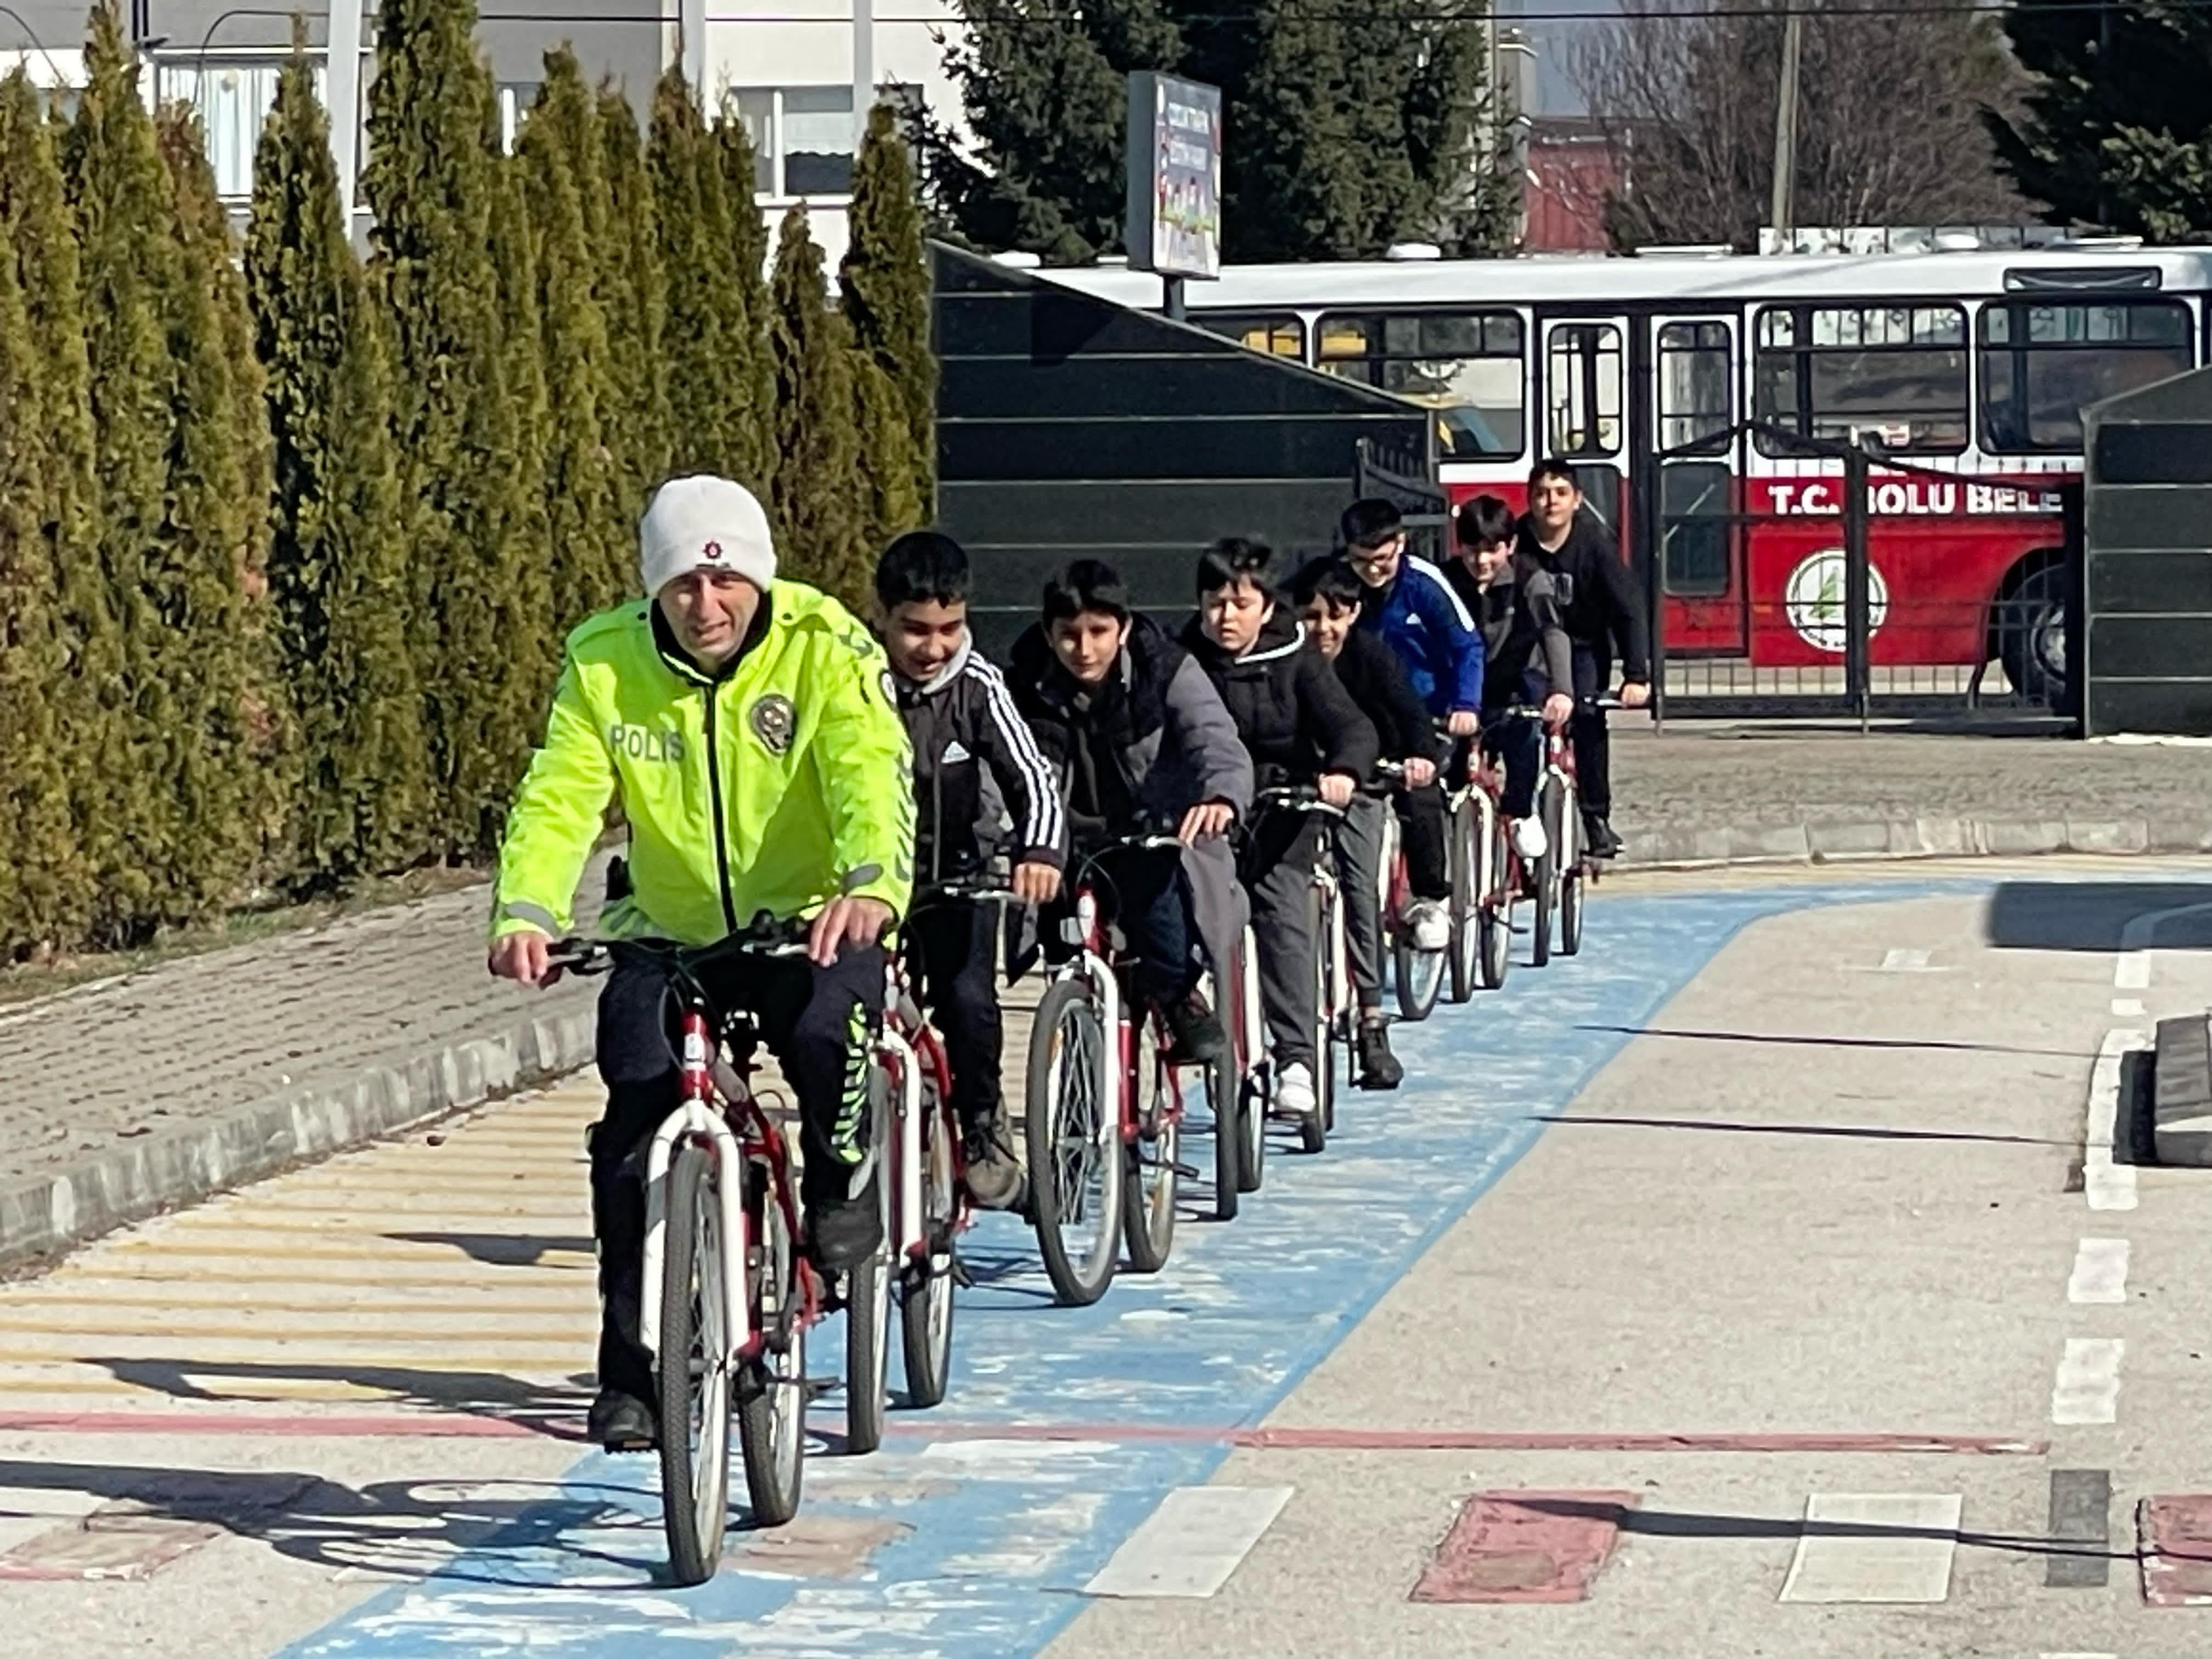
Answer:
[(157, 1088)]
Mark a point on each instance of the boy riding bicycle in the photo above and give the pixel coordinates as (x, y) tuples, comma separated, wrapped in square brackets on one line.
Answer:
[(1300, 727), (968, 738), (1328, 597), (746, 725), (1142, 746)]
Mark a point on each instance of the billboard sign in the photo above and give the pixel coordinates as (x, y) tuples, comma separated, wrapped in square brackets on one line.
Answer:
[(1174, 221)]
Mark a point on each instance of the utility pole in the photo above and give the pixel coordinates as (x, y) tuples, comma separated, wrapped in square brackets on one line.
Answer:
[(1784, 207), (341, 68), (864, 69)]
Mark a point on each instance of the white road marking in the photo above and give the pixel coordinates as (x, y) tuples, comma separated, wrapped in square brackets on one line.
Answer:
[(2100, 1271), (1884, 1547), (2127, 1007), (2088, 1387), (2107, 1185), (2138, 941), (1899, 961), (1189, 1546), (2079, 1655)]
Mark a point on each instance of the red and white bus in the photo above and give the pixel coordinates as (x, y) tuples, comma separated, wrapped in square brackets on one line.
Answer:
[(1974, 365)]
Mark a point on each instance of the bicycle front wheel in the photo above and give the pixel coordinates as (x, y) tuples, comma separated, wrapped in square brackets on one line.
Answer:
[(694, 1369), (1496, 921), (1466, 904), (1072, 1134), (1547, 874), (1225, 1100), (926, 1292), (772, 1397), (1148, 1188), (1573, 880), (1313, 1128)]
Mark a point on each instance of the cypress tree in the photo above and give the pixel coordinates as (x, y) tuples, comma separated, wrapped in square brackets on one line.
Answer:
[(885, 282), (479, 610), (212, 325), (747, 257), (523, 436), (816, 518), (338, 567), (884, 456), (633, 296), (589, 530), (73, 650), (709, 345)]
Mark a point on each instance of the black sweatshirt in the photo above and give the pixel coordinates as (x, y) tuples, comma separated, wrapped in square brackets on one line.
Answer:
[(1599, 605)]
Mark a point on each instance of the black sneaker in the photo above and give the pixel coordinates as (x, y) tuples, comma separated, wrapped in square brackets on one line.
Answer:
[(622, 1423), (1378, 1067), (843, 1227), (1602, 843), (994, 1173), (1197, 1036)]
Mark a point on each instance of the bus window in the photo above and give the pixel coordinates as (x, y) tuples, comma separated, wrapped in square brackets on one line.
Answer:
[(2043, 364), (1694, 370), (1895, 373), (1466, 366), (1283, 336), (1582, 389)]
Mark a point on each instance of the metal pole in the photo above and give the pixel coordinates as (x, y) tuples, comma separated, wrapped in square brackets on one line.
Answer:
[(1856, 589), (1782, 210), (342, 67), (864, 68), (1171, 300), (691, 39)]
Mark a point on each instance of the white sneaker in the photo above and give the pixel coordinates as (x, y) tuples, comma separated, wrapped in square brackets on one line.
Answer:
[(1529, 840), (1430, 928), (1294, 1090)]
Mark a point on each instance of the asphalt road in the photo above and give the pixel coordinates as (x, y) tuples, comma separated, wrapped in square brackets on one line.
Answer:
[(1747, 1286)]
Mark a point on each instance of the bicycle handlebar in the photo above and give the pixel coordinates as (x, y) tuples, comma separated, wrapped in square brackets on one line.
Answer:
[(766, 937), (1300, 798)]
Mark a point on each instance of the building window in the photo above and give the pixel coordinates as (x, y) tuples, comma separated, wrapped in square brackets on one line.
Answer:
[(1895, 373), (2042, 365), (1278, 335), (515, 98), (1466, 365), (1581, 388), (802, 139), (234, 99)]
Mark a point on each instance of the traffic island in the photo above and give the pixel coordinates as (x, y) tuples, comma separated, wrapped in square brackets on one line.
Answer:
[(2181, 1092)]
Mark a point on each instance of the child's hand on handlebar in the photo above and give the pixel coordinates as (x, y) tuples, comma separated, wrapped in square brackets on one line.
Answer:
[(522, 958), (1336, 787), (1461, 723), (1209, 818), (1420, 771), (1036, 884), (848, 917), (1558, 709), (1634, 694)]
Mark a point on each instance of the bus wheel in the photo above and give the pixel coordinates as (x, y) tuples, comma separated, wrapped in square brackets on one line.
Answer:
[(2030, 630)]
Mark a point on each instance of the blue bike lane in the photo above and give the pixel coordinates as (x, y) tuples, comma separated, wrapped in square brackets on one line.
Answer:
[(973, 1531)]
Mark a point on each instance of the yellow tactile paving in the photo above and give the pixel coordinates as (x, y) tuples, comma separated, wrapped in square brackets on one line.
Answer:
[(451, 1269)]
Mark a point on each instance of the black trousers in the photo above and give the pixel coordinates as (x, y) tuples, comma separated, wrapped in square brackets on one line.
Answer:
[(1421, 821), (952, 948), (817, 1022), (1277, 865), (1593, 742), (1519, 743)]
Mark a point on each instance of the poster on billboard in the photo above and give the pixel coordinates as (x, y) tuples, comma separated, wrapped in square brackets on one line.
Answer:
[(1174, 222)]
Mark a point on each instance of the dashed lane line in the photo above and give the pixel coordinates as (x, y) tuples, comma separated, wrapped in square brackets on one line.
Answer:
[(2100, 1273), (1875, 1547), (2087, 1389), (1189, 1546)]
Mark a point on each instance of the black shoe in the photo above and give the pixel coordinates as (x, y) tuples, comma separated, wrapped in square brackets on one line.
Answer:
[(994, 1173), (1378, 1067), (844, 1227), (1598, 834), (1198, 1038), (622, 1423)]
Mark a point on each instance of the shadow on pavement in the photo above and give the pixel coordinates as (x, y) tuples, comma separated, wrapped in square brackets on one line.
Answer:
[(501, 1249), (408, 1529), (552, 1410), (1850, 1130), (1671, 1523), (2094, 915), (1804, 1041)]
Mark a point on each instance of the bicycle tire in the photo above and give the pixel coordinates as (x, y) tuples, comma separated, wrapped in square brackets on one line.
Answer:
[(1224, 1099), (1497, 916), (1573, 878), (1068, 1037), (1251, 1087), (1313, 1125), (1466, 904), (772, 1398), (926, 1286), (1148, 1186), (1547, 876), (1419, 976), (695, 1478)]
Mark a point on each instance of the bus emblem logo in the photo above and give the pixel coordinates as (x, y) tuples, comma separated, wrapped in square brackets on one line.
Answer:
[(1812, 599)]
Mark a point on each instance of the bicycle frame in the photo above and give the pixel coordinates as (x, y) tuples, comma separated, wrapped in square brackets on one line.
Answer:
[(904, 1057), (1089, 962)]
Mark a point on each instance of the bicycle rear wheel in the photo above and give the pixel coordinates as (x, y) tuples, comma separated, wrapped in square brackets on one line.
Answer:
[(1224, 1099), (1572, 878), (1496, 928), (868, 1300), (772, 1394), (926, 1286), (693, 1370), (1072, 1135), (1148, 1188), (1251, 1092), (1313, 1128), (1547, 872)]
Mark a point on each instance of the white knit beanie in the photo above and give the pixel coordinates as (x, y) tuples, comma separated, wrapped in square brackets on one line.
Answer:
[(703, 523)]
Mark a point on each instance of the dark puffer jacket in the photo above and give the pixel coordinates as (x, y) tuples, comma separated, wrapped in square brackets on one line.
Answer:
[(1295, 717)]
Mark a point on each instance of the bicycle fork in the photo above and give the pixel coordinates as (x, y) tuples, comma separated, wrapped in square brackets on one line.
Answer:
[(906, 1142), (696, 1118)]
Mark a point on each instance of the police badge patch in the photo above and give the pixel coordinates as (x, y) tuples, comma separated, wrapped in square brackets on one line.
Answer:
[(775, 722), (890, 687)]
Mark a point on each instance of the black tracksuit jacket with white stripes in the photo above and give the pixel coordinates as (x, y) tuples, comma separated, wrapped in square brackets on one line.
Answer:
[(963, 726)]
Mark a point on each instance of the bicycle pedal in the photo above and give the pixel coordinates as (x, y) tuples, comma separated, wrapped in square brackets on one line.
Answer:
[(961, 1276), (1184, 1171), (816, 1387)]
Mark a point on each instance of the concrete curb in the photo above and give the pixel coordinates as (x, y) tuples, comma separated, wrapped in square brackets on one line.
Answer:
[(95, 1194), (1667, 847)]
